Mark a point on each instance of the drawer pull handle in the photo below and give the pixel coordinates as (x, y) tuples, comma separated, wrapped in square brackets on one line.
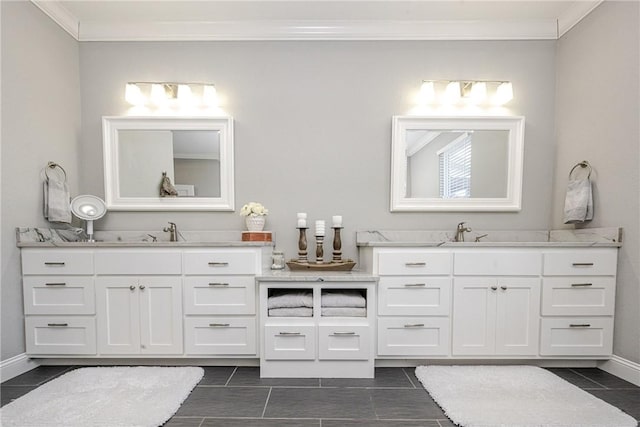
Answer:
[(580, 285), (218, 325), (55, 264), (579, 325), (59, 325), (218, 284), (56, 284), (582, 264), (343, 333), (218, 264), (415, 264), (504, 288), (493, 288), (415, 285), (415, 325), (289, 333)]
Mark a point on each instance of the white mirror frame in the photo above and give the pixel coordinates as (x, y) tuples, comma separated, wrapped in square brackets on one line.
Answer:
[(513, 199), (110, 128)]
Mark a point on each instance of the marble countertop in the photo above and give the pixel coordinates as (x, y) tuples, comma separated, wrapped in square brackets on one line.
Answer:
[(585, 237), (33, 237), (315, 276)]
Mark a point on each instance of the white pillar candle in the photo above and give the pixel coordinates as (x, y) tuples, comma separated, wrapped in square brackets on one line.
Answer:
[(302, 223), (337, 220), (319, 227)]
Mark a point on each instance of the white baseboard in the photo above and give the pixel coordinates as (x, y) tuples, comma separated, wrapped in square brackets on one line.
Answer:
[(623, 368), (15, 366)]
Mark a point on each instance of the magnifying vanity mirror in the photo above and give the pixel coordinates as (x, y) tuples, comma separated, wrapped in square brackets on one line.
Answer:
[(457, 163), (190, 157), (88, 208)]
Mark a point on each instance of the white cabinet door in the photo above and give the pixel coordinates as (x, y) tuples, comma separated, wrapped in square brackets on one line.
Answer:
[(413, 336), (117, 313), (220, 336), (414, 296), (139, 315), (60, 335), (160, 315), (517, 316), (474, 316), (576, 336), (344, 342), (290, 342), (220, 295)]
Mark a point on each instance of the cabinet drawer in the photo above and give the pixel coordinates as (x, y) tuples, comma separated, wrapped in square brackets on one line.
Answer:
[(220, 295), (60, 335), (220, 335), (221, 262), (497, 263), (289, 342), (578, 296), (413, 336), (414, 262), (138, 262), (56, 261), (414, 296), (576, 336), (581, 262), (59, 295), (344, 342)]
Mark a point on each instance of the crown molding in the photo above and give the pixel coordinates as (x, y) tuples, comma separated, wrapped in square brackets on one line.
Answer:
[(575, 14), (60, 15), (319, 30)]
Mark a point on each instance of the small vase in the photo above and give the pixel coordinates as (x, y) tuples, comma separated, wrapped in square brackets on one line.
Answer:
[(255, 222)]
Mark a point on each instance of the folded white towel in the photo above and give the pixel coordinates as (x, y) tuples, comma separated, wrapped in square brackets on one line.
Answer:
[(291, 312), (56, 201), (290, 300), (343, 299), (578, 203), (344, 312)]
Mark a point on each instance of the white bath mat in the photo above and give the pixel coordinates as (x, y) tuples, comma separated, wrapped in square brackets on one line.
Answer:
[(108, 396), (515, 396)]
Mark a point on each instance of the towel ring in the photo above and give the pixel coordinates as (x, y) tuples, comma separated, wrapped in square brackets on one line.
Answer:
[(582, 164), (53, 166)]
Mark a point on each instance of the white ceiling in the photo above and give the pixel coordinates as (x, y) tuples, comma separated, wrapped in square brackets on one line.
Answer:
[(94, 20)]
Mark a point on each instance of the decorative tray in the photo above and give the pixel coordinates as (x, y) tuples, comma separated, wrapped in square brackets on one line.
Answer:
[(344, 265)]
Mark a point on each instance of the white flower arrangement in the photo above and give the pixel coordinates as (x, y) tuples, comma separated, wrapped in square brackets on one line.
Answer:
[(254, 209)]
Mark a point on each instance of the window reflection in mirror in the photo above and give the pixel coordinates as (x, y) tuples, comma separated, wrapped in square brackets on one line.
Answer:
[(451, 164), (190, 158)]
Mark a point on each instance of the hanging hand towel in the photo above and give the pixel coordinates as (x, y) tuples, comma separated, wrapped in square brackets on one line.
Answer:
[(56, 200), (578, 204)]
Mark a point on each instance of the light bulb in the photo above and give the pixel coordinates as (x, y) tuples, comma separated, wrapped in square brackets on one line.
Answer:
[(504, 93), (133, 94), (452, 93), (184, 94), (210, 96), (158, 95), (478, 92), (427, 92)]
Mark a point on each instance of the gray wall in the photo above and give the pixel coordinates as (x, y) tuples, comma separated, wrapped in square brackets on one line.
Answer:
[(40, 122), (598, 120), (313, 124)]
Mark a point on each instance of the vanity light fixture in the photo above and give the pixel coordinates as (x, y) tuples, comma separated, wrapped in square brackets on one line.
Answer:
[(164, 94), (474, 92)]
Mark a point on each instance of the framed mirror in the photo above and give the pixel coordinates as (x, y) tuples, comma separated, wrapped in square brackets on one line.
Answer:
[(190, 156), (457, 163)]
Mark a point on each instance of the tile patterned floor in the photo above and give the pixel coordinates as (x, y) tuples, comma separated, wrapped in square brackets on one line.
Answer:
[(238, 397)]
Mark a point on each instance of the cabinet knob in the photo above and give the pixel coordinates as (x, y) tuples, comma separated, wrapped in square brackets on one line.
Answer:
[(133, 288), (504, 288), (493, 288), (142, 287)]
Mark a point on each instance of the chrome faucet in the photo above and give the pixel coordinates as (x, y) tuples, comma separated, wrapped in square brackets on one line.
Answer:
[(173, 231), (460, 230)]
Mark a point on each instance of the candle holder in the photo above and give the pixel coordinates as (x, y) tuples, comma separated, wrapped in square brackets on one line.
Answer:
[(337, 245), (319, 249), (302, 245)]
